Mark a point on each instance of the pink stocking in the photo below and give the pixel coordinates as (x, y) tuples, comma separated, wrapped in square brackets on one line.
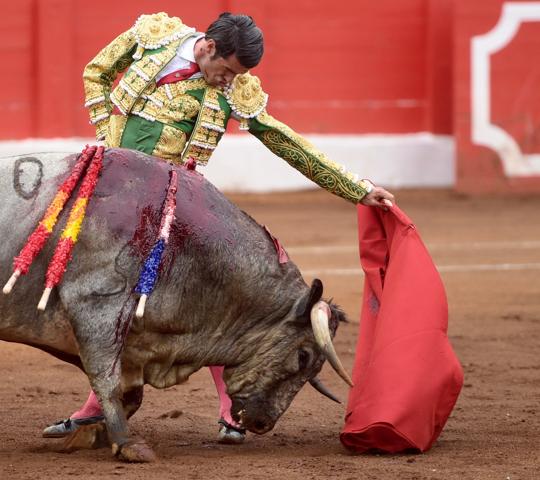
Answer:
[(91, 408), (224, 400)]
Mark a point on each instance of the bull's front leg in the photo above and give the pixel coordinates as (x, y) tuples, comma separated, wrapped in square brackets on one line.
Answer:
[(124, 445), (96, 293), (94, 435), (105, 381), (95, 327)]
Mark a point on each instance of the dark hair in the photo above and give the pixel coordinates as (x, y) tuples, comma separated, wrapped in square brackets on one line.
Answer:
[(237, 35)]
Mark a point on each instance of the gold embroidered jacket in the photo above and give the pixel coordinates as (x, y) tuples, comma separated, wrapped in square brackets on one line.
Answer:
[(186, 119)]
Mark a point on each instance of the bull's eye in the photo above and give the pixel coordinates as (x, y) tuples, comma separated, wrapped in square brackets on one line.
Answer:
[(303, 359)]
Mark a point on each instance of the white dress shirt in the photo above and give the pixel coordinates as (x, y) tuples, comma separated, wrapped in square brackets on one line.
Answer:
[(185, 56)]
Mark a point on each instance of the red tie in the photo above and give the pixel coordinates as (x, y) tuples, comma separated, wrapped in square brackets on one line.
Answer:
[(179, 75)]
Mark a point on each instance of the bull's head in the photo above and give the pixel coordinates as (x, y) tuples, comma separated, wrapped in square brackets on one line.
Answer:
[(290, 354)]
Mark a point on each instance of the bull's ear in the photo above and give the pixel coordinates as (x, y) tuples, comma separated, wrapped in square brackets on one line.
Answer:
[(303, 310)]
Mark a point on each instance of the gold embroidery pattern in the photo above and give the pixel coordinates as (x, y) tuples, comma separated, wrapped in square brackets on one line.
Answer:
[(101, 129), (181, 108), (170, 144), (158, 30), (208, 129), (140, 74), (179, 88), (99, 75), (309, 161), (155, 104), (145, 109), (116, 127), (246, 98)]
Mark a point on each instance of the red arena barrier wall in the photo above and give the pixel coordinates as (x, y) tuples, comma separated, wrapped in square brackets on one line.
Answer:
[(357, 67), (17, 93), (391, 67), (497, 95)]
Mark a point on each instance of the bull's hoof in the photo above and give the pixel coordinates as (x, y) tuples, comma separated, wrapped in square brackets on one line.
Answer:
[(229, 434), (135, 451), (86, 437)]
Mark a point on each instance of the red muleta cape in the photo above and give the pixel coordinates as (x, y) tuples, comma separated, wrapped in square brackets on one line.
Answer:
[(406, 375)]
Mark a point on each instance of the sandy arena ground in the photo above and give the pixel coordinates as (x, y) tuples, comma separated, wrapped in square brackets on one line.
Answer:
[(488, 250)]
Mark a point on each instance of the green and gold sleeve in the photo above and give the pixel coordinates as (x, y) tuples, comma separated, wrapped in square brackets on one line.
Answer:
[(305, 158), (99, 75)]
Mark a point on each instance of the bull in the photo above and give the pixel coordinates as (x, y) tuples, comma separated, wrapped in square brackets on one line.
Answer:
[(223, 297)]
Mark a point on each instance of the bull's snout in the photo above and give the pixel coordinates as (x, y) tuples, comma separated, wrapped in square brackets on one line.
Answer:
[(253, 415), (261, 426), (258, 425)]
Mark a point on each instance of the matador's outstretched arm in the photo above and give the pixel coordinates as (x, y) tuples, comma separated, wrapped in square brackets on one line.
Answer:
[(304, 157)]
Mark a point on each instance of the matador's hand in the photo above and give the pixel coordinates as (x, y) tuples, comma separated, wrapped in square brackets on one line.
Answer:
[(378, 197)]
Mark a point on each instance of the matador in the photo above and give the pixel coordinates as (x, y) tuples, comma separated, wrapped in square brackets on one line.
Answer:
[(179, 89)]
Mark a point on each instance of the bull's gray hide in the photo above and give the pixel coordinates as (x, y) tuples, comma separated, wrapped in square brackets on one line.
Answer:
[(222, 298)]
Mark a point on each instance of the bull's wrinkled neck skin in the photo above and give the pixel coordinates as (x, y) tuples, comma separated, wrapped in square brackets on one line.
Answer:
[(243, 341)]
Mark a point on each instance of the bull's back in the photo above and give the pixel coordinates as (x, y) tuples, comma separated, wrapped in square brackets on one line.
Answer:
[(215, 249)]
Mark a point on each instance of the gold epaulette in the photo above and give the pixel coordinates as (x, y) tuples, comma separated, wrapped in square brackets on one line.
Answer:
[(246, 98), (156, 31)]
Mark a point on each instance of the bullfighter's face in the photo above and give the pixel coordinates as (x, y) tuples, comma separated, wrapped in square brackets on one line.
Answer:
[(217, 71)]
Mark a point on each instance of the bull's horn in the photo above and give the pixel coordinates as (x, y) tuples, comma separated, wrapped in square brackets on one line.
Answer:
[(319, 386), (321, 330)]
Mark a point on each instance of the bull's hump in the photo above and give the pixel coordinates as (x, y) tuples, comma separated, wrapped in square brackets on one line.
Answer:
[(132, 189)]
